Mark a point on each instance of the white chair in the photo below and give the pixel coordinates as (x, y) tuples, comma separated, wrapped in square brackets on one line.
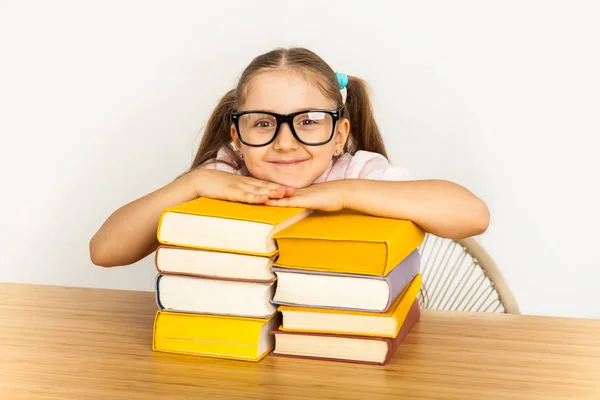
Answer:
[(460, 275)]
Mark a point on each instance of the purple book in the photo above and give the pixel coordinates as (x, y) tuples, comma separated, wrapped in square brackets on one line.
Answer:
[(306, 288)]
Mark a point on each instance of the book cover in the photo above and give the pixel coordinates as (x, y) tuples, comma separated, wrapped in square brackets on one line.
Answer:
[(273, 218), (237, 338), (347, 242)]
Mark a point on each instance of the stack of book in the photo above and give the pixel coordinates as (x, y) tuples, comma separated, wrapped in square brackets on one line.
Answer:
[(215, 286), (347, 286)]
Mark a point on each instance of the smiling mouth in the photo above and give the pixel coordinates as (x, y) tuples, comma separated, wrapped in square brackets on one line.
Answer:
[(287, 163)]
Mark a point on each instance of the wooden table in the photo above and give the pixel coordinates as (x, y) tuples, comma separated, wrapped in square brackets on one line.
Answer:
[(75, 343)]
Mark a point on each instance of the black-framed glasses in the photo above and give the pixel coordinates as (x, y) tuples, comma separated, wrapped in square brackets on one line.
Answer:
[(310, 127)]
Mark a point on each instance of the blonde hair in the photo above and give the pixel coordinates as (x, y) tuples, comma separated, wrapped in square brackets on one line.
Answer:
[(364, 132)]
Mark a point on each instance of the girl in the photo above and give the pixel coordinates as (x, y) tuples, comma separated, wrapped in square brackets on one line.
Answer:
[(294, 133)]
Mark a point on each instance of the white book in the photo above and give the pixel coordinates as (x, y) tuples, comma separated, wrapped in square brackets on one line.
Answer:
[(173, 260), (188, 294)]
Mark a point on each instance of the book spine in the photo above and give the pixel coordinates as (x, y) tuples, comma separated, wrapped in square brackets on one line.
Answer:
[(402, 275)]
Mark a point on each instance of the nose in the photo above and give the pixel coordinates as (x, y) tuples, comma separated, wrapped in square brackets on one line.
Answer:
[(285, 140)]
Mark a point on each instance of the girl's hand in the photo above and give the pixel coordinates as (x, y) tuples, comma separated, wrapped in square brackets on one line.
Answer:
[(326, 196), (228, 186)]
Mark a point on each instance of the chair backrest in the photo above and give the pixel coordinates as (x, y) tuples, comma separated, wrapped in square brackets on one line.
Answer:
[(460, 275)]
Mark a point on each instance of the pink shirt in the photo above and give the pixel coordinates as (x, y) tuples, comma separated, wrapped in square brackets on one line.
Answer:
[(362, 165)]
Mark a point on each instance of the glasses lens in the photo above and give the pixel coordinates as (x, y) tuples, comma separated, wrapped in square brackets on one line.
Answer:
[(313, 127), (257, 128)]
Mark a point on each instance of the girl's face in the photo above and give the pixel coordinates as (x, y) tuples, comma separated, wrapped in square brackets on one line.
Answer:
[(287, 161)]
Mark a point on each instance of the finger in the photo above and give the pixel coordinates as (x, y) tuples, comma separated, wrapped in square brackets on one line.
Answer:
[(265, 184), (276, 202), (248, 197), (285, 202), (272, 193), (272, 185)]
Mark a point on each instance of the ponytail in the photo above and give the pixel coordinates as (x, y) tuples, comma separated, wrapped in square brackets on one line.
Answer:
[(217, 135), (364, 132)]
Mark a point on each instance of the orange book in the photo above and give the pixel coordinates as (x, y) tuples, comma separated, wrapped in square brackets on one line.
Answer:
[(349, 322), (347, 242), (216, 336), (221, 225)]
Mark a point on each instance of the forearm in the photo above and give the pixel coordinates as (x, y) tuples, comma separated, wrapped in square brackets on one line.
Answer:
[(443, 208), (129, 234)]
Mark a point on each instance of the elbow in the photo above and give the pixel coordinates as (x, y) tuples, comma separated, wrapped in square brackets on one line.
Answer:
[(480, 218), (464, 217), (474, 221), (480, 226), (99, 255)]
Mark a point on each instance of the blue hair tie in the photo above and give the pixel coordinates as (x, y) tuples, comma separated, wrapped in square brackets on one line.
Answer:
[(342, 79)]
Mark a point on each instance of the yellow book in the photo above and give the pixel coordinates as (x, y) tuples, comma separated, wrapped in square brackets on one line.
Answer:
[(346, 322), (215, 336), (347, 242), (220, 225)]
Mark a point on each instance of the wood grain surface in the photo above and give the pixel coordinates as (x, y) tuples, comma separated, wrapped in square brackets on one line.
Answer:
[(77, 343)]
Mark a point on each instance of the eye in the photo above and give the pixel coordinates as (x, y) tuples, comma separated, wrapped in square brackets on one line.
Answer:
[(308, 122), (263, 124)]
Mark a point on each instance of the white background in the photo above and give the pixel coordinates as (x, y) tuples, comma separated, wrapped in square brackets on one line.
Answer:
[(103, 102)]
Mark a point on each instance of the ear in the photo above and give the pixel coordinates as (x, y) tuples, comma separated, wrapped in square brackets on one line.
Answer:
[(341, 133), (235, 139)]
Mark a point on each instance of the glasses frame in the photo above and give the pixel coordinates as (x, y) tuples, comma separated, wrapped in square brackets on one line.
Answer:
[(285, 118)]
